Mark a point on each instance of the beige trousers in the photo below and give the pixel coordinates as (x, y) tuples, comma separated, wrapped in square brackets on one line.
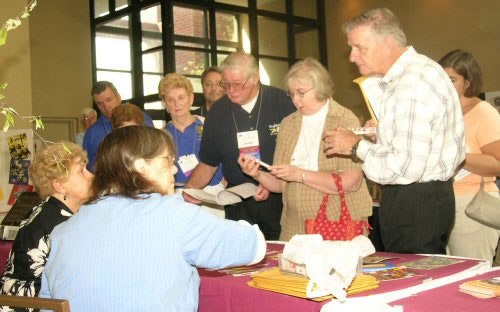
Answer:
[(469, 238)]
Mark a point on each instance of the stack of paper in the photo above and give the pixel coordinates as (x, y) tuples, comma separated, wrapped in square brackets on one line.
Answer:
[(296, 285), (487, 288)]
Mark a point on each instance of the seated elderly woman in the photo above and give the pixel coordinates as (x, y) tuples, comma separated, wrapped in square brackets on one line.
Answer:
[(136, 247), (127, 114), (176, 92), (63, 181), (300, 168)]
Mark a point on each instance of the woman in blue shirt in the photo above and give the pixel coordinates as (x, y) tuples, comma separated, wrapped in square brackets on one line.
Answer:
[(176, 92), (136, 247)]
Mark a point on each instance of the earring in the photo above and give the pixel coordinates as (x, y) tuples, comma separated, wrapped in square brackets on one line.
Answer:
[(65, 196)]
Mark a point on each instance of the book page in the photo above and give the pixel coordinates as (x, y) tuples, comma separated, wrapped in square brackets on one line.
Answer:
[(227, 198), (372, 93), (244, 190), (201, 195)]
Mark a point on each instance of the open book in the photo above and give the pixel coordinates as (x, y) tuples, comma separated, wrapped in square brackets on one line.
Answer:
[(228, 196), (372, 93)]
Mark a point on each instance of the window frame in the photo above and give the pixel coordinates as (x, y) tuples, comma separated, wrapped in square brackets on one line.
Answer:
[(210, 7)]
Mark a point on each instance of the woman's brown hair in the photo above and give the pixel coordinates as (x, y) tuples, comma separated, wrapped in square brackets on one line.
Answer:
[(115, 172), (466, 66)]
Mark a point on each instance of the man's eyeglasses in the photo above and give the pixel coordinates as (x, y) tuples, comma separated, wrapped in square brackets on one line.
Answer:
[(235, 85), (298, 92)]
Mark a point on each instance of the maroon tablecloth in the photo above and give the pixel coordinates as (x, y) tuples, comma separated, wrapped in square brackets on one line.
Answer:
[(5, 247), (448, 298), (220, 292)]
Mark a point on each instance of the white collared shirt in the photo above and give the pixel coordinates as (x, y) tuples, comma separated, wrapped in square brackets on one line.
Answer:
[(420, 133)]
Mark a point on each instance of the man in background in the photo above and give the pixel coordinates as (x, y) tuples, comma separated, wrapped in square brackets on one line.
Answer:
[(106, 97), (420, 135), (212, 91), (88, 117)]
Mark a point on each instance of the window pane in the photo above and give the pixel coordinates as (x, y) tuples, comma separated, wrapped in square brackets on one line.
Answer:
[(113, 45), (305, 8), (154, 105), (232, 32), (272, 5), (152, 62), (151, 27), (159, 124), (272, 37), (122, 82), (243, 3), (196, 82), (190, 62), (101, 7), (272, 72), (221, 58), (191, 23), (150, 83), (306, 42), (121, 4)]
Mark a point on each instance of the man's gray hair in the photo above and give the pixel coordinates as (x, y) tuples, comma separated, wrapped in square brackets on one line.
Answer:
[(241, 61), (88, 112), (382, 22)]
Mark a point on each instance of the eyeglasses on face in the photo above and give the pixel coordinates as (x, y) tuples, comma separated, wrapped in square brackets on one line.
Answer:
[(235, 85), (299, 93)]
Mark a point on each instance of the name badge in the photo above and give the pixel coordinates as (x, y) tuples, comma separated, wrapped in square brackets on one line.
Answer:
[(188, 163), (248, 143)]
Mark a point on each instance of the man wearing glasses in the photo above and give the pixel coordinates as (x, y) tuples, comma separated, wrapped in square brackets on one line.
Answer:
[(246, 120)]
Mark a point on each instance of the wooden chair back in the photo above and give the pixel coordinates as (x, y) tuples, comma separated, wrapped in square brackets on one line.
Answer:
[(56, 305)]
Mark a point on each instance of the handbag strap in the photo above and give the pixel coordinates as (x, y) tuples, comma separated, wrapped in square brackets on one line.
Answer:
[(344, 212)]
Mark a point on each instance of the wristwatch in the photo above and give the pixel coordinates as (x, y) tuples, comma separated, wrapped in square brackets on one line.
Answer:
[(354, 149)]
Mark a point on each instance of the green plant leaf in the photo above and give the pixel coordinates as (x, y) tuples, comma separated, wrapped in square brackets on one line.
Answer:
[(12, 111), (25, 13), (2, 97), (4, 85), (3, 36), (39, 123), (66, 149), (6, 126)]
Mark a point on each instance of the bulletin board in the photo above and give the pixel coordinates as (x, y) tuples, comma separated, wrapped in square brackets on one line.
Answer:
[(16, 153)]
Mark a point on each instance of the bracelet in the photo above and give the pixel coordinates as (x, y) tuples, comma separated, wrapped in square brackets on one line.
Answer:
[(354, 149), (303, 175)]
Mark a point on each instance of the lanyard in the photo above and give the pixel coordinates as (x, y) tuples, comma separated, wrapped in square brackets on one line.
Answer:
[(258, 114), (194, 136)]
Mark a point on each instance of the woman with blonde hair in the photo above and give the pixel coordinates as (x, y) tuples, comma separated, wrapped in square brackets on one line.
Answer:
[(60, 177), (176, 92)]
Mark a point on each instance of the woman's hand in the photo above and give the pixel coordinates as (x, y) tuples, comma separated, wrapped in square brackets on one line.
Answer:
[(249, 165), (287, 173)]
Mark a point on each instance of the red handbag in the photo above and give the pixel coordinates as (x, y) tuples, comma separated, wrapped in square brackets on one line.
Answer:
[(343, 229)]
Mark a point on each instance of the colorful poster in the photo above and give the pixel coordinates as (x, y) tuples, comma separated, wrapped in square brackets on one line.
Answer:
[(393, 274), (17, 190), (18, 173), (18, 146)]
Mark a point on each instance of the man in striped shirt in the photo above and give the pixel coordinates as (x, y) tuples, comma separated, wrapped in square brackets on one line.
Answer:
[(420, 135)]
